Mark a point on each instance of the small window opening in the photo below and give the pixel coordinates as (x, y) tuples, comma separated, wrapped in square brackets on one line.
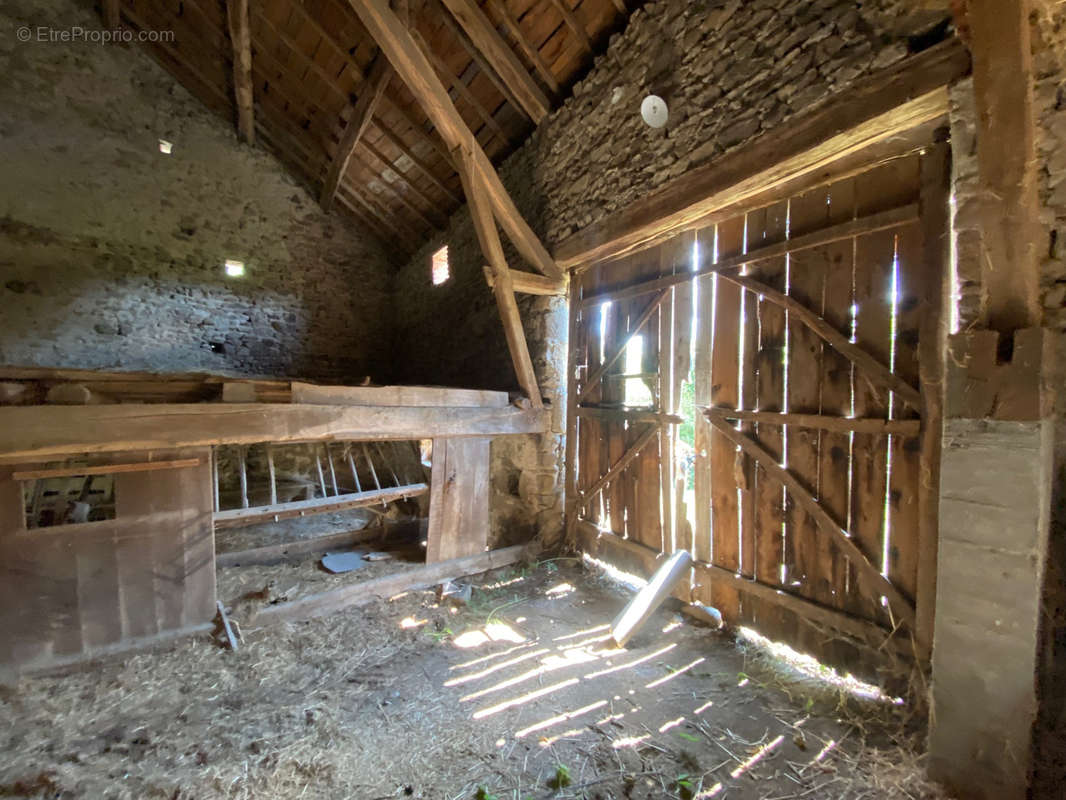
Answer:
[(165, 147), (68, 500), (234, 269), (441, 271)]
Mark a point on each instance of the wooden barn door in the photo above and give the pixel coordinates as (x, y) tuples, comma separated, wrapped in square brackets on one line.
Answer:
[(810, 339)]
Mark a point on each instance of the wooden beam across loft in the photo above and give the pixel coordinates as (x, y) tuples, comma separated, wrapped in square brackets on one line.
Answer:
[(414, 67), (377, 81), (241, 37), (500, 57)]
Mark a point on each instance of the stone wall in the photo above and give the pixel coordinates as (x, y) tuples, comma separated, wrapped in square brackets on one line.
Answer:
[(729, 70), (111, 253)]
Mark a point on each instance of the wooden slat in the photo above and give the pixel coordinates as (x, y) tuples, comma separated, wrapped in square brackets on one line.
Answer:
[(874, 109), (703, 332), (500, 8), (628, 415), (873, 370), (107, 469), (417, 72), (362, 112), (871, 223), (570, 18), (502, 288), (620, 465), (31, 432), (876, 584), (484, 36), (240, 36), (239, 517), (459, 500), (900, 427)]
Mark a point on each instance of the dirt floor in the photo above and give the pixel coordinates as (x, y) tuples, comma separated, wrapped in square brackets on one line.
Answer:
[(517, 695)]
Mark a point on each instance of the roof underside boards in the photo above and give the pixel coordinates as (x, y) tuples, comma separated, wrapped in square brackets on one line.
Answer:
[(310, 62)]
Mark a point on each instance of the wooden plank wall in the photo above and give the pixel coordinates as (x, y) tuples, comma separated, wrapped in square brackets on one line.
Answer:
[(749, 354), (68, 590), (459, 499)]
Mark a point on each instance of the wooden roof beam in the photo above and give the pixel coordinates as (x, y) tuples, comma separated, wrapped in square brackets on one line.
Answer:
[(520, 38), (500, 58), (423, 167), (413, 66), (241, 36), (570, 18), (363, 111)]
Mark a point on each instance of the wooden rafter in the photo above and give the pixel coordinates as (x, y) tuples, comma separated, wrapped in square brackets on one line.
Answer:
[(423, 167), (570, 18), (532, 53), (241, 37), (492, 247), (478, 58), (500, 57), (413, 66), (876, 583), (390, 165), (374, 87)]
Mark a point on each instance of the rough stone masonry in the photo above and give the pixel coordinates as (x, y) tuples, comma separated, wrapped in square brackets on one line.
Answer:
[(111, 252)]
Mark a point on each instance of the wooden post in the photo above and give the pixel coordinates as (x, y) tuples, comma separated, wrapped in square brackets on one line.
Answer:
[(214, 474), (241, 36), (571, 503), (1007, 163), (243, 462), (932, 347)]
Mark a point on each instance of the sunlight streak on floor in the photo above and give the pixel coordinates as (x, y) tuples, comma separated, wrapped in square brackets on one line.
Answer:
[(525, 698), (565, 717)]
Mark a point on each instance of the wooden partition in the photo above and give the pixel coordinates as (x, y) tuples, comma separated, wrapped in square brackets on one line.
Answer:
[(750, 391), (72, 590)]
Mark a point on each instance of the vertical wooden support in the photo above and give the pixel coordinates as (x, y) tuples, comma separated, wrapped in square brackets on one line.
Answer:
[(1007, 162), (458, 499), (240, 35), (273, 476), (214, 474), (932, 347), (576, 314), (242, 458), (704, 332)]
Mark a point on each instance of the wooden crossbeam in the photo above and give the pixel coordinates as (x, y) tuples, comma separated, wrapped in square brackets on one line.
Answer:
[(895, 427), (532, 53), (500, 57), (876, 583), (412, 65), (528, 283), (619, 465), (502, 286), (241, 37), (377, 82), (873, 370), (860, 226), (601, 370)]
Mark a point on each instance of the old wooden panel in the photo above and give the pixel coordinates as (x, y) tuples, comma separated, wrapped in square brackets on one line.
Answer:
[(458, 504)]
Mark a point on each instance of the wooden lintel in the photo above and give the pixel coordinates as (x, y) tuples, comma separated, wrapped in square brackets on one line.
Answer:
[(876, 584), (529, 283), (628, 415), (875, 109), (413, 66), (620, 348), (502, 286), (39, 432), (241, 37), (500, 58), (860, 226), (872, 369), (886, 427), (240, 517), (362, 112)]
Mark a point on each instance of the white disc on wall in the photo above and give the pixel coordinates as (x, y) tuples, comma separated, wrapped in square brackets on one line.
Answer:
[(653, 110)]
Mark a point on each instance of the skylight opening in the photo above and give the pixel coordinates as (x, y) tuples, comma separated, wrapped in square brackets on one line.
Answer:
[(165, 147), (441, 271), (234, 268)]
